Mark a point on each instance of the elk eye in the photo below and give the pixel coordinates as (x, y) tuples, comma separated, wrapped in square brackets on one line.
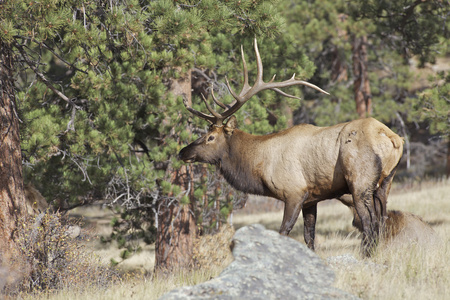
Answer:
[(210, 138)]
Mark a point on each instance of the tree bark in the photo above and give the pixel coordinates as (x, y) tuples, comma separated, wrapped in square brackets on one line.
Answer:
[(12, 200), (361, 85), (177, 230)]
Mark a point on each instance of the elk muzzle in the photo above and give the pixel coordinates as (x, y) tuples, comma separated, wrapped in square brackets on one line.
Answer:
[(187, 155)]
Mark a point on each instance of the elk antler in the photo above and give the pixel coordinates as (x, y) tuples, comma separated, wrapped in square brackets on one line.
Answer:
[(247, 92)]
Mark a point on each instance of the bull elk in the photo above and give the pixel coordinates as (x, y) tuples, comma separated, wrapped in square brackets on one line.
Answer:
[(304, 164)]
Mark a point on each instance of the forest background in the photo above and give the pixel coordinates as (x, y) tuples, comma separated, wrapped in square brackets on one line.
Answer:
[(92, 98)]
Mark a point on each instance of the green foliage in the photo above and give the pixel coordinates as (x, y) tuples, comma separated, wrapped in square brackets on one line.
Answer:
[(412, 27), (433, 105), (117, 133), (324, 29)]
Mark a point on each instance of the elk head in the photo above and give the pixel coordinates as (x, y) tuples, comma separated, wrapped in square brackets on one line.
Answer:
[(211, 147)]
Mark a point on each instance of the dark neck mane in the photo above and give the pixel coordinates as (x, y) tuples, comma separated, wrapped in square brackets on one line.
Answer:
[(238, 168)]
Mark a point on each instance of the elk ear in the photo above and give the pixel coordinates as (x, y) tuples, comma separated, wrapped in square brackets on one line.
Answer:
[(230, 125)]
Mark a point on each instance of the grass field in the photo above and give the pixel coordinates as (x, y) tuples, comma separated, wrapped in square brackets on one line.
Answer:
[(409, 272)]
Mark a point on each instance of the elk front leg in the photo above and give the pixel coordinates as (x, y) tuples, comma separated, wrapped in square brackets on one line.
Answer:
[(291, 211), (309, 225)]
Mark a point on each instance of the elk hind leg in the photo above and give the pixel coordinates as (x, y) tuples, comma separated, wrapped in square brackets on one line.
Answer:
[(363, 187), (380, 197), (309, 225), (365, 209)]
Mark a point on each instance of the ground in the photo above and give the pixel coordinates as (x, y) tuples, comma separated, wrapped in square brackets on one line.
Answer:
[(411, 272)]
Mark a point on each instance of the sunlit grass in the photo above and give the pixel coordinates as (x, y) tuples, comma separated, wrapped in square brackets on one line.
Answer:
[(410, 272), (140, 287)]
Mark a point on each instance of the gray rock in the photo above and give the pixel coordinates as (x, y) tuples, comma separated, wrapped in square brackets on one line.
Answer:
[(349, 262), (345, 260), (267, 266)]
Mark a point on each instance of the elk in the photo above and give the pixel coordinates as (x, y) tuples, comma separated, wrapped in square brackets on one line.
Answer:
[(402, 229), (304, 164)]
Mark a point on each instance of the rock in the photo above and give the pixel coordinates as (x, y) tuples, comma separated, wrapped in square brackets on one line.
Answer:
[(73, 231), (349, 262), (267, 266), (346, 260)]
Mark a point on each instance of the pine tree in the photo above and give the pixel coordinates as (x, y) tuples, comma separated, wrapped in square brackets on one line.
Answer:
[(413, 28), (328, 30), (433, 106), (410, 27), (100, 118)]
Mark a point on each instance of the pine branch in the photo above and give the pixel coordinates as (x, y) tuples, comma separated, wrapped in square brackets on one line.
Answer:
[(41, 76), (62, 59), (189, 6)]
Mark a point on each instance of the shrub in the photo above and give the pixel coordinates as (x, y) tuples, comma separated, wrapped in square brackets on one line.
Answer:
[(54, 258), (213, 250)]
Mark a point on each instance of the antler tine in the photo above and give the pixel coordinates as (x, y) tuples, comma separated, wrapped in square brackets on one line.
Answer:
[(285, 94), (291, 82), (273, 78), (242, 97), (235, 96), (216, 100), (259, 65), (209, 118), (248, 91), (211, 110), (246, 86)]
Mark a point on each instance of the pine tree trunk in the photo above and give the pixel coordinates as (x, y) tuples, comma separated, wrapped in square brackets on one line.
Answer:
[(361, 85), (12, 200), (177, 228)]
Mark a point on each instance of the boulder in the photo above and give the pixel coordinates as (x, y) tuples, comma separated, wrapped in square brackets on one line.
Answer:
[(267, 265)]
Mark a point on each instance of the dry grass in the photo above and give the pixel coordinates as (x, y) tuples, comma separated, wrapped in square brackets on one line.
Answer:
[(139, 287), (411, 272)]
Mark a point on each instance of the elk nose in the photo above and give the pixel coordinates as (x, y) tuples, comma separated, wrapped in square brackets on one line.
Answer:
[(186, 156), (182, 154)]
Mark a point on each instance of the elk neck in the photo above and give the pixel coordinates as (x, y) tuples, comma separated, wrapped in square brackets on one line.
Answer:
[(241, 163)]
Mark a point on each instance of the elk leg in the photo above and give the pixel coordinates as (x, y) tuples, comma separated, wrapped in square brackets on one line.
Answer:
[(291, 211), (381, 195), (364, 205), (309, 224), (362, 179), (380, 198)]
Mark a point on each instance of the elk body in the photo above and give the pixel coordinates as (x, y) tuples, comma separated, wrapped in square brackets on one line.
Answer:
[(302, 165)]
